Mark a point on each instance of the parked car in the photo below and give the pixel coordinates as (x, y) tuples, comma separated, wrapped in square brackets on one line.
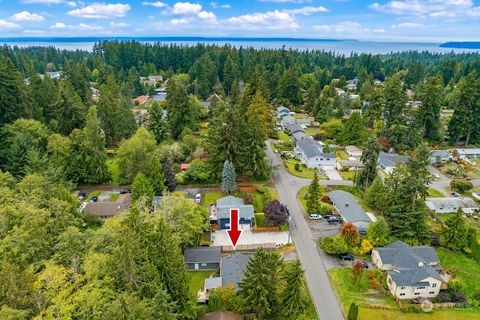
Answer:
[(198, 198), (436, 176), (94, 199), (125, 191), (334, 220), (328, 216), (468, 178), (347, 257), (364, 264), (455, 194), (81, 196), (314, 216)]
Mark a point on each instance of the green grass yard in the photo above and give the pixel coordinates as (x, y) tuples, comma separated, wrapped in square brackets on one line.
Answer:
[(304, 173), (311, 131), (285, 138), (347, 175), (92, 194), (341, 154), (114, 197), (196, 280), (434, 193)]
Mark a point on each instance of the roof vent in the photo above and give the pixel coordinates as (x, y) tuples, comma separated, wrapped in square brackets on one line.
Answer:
[(421, 264), (346, 204)]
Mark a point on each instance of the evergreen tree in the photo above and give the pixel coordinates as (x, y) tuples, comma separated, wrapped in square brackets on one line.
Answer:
[(171, 182), (181, 113), (229, 177), (429, 111), (142, 187), (456, 234), (69, 109), (156, 175), (230, 75), (378, 233), (253, 154), (157, 122), (353, 132), (289, 87), (205, 74), (292, 294), (369, 159), (261, 112), (314, 195), (259, 287), (353, 312)]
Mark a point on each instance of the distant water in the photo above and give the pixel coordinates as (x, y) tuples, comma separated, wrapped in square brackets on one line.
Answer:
[(345, 47)]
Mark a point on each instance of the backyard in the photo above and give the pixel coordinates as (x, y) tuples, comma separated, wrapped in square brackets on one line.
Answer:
[(196, 280), (378, 303)]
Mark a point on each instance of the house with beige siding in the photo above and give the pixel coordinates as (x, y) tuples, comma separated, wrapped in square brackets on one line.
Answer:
[(411, 271)]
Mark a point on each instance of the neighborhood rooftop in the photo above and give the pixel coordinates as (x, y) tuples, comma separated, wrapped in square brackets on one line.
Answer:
[(390, 159), (349, 208), (203, 254), (225, 204), (233, 268), (311, 148)]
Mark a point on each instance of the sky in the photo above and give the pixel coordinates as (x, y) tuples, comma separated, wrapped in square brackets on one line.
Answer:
[(379, 20)]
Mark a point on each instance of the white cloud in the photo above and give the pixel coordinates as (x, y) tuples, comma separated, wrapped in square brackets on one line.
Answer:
[(9, 25), (44, 1), (27, 16), (286, 1), (71, 4), (156, 4), (344, 27), (429, 8), (185, 8), (273, 20), (215, 5), (408, 25), (225, 6), (380, 30), (58, 26), (101, 11), (33, 31), (306, 10), (205, 15), (118, 24), (79, 27), (179, 21)]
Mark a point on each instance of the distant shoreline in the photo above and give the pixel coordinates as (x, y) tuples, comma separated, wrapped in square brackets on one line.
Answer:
[(461, 45), (153, 39)]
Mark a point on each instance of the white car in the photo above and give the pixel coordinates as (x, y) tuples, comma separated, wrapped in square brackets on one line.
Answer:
[(436, 176), (314, 216), (198, 198)]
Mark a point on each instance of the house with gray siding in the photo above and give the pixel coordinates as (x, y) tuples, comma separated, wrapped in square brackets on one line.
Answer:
[(203, 258), (220, 213), (349, 209), (310, 153), (388, 161)]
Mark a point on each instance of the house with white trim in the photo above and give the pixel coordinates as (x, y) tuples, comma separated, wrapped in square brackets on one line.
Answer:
[(310, 153)]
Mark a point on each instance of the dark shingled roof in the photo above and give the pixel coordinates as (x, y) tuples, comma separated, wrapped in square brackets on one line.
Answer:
[(230, 202), (390, 159), (349, 208), (411, 264), (233, 268), (203, 255), (310, 147), (293, 128)]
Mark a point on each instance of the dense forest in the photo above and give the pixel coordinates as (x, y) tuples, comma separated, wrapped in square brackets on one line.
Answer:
[(55, 133)]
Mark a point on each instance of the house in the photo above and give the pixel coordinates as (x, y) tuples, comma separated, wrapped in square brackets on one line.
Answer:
[(151, 80), (184, 166), (340, 92), (108, 209), (351, 165), (440, 156), (203, 258), (353, 151), (310, 153), (469, 153), (349, 209), (141, 100), (281, 112), (157, 202), (233, 268), (287, 120), (411, 271), (160, 96), (220, 213), (300, 136), (388, 161), (293, 128), (452, 204), (304, 122), (54, 75)]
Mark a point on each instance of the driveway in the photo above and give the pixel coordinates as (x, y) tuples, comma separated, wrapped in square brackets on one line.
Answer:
[(220, 238), (332, 174), (312, 259)]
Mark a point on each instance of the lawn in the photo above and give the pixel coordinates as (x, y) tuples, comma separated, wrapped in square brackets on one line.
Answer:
[(114, 169), (212, 197), (282, 136), (433, 193), (303, 201), (377, 304), (92, 194), (466, 270), (114, 197), (196, 280), (347, 175), (341, 154), (305, 172), (311, 131)]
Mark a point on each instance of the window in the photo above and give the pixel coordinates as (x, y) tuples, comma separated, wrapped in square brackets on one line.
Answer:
[(432, 292), (417, 293), (402, 288), (434, 285), (204, 264), (420, 288), (402, 294)]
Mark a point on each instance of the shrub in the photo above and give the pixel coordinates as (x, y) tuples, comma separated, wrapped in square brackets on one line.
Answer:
[(335, 245), (458, 296), (374, 283), (276, 214), (461, 185), (247, 198), (297, 167), (455, 285), (443, 297)]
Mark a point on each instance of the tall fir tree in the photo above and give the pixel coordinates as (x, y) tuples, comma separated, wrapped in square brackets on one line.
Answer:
[(156, 175), (142, 188), (429, 111), (157, 122), (369, 159), (456, 235), (314, 195), (69, 109), (293, 300), (229, 178)]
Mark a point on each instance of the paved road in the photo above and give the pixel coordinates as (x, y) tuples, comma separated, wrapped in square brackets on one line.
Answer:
[(323, 295)]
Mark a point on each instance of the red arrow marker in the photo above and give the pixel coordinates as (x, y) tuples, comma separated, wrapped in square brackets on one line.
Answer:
[(234, 233)]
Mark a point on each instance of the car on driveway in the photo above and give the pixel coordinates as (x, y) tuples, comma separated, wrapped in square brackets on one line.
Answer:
[(94, 199), (314, 216), (328, 216), (198, 198), (455, 194), (81, 196), (347, 257), (125, 191), (334, 220)]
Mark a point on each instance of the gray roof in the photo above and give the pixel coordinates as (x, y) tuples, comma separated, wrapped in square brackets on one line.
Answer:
[(310, 147), (390, 159), (203, 255), (293, 128), (440, 153), (351, 163), (282, 110), (349, 208), (225, 204), (411, 264), (233, 268), (212, 283), (450, 203), (300, 135), (287, 120)]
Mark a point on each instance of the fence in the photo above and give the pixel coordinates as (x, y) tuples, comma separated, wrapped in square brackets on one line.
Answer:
[(250, 247)]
